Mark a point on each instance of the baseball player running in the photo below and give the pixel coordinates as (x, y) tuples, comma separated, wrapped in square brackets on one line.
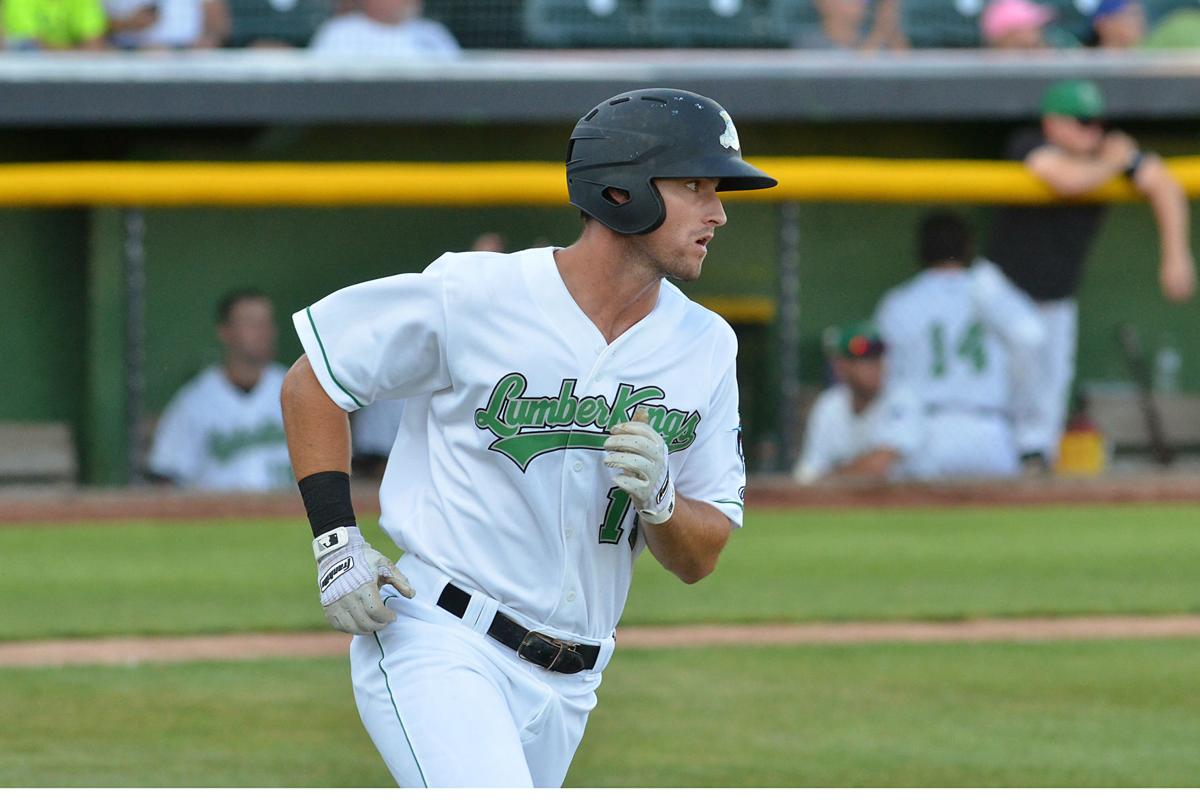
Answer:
[(568, 409)]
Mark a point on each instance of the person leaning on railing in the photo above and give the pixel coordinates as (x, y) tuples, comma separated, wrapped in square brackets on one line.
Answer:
[(1042, 248)]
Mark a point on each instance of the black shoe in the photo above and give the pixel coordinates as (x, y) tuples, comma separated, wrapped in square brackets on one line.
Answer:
[(1034, 465)]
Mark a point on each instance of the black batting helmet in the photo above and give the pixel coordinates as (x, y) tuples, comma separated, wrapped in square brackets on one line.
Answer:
[(629, 140)]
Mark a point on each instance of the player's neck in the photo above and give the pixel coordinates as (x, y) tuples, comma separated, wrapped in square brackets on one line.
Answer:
[(611, 292), (860, 402), (946, 266), (242, 374)]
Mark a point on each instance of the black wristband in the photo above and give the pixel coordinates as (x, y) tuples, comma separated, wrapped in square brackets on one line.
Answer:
[(1134, 163), (327, 501)]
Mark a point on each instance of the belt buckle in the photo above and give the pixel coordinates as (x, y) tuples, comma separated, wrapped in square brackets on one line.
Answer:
[(538, 648)]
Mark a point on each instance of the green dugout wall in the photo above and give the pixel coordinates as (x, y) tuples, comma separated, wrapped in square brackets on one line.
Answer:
[(64, 306)]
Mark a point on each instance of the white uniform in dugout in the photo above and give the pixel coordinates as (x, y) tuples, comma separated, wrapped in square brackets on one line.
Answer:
[(217, 437), (835, 436), (496, 483), (959, 339)]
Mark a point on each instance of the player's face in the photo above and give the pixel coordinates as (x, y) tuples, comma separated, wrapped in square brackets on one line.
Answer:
[(1027, 38), (843, 12), (1074, 136), (250, 333), (864, 376), (391, 12), (1124, 29), (694, 212)]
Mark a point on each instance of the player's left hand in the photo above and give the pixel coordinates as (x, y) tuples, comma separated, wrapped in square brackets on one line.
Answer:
[(639, 454)]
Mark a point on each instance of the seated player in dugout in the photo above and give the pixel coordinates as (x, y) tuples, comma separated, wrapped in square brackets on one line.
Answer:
[(567, 409), (855, 429), (223, 431)]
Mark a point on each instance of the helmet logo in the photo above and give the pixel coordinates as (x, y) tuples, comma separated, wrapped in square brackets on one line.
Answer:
[(730, 137)]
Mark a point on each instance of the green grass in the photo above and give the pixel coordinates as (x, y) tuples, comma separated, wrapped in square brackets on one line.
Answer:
[(193, 577), (1113, 713), (940, 564), (271, 723), (1084, 714)]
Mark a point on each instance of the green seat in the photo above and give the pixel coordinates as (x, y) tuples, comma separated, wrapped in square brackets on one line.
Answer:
[(583, 23), (705, 23), (789, 20), (1074, 17), (942, 23)]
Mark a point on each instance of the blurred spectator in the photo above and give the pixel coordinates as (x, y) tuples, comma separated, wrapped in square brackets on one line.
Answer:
[(855, 429), (168, 24), (1021, 25), (843, 23), (58, 25), (1119, 24), (953, 334), (386, 27), (223, 431), (1042, 249)]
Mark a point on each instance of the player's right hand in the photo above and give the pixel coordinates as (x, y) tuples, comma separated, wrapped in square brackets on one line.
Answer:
[(1118, 149), (349, 574)]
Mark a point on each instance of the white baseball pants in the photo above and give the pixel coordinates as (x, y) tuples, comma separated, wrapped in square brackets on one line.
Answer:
[(448, 706), (1041, 402), (966, 444)]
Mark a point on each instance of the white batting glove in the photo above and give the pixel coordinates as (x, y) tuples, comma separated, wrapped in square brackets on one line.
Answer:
[(639, 454), (349, 574)]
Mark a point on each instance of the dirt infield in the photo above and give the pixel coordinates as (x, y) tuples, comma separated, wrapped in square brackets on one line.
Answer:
[(248, 647), (84, 505)]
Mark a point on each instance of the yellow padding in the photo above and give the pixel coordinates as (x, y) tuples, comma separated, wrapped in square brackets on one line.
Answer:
[(740, 310), (515, 183)]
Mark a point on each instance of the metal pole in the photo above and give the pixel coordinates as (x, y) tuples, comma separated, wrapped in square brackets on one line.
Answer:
[(135, 312), (788, 333)]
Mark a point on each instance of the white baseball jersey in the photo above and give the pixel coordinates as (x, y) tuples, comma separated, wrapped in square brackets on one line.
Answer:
[(496, 477), (357, 34), (216, 437), (950, 334), (373, 428), (835, 436), (180, 22)]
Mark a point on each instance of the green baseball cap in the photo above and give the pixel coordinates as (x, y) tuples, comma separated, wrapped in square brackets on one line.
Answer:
[(1078, 99), (856, 340)]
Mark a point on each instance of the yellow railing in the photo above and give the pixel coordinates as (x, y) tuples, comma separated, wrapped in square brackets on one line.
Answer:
[(514, 183)]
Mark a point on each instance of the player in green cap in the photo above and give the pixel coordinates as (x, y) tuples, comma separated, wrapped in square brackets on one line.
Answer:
[(855, 429), (1042, 249)]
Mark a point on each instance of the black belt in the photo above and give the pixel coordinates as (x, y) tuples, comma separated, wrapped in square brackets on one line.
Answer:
[(537, 648)]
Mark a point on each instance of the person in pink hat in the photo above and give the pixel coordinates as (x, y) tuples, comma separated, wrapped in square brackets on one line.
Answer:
[(1015, 24)]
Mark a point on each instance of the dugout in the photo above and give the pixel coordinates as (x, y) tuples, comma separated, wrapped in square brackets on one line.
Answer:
[(89, 348)]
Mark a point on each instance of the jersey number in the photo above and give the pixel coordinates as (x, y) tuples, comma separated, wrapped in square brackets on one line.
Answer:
[(969, 348), (614, 517)]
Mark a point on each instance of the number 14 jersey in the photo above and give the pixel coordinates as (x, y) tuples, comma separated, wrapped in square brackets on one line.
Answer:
[(953, 337)]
